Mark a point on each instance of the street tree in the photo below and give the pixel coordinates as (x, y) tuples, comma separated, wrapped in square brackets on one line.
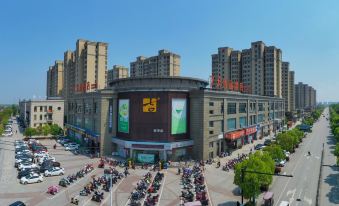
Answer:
[(275, 152)]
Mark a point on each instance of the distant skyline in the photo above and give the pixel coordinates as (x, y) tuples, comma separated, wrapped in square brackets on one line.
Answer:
[(36, 33)]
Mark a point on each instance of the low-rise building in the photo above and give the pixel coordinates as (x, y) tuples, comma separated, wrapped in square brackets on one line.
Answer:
[(35, 113)]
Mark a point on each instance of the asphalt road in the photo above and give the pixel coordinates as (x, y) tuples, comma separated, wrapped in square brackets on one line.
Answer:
[(301, 189)]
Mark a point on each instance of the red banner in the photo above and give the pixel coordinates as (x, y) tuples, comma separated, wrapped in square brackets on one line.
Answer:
[(235, 135), (251, 130)]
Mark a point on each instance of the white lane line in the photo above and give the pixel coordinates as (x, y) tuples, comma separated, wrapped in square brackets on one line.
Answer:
[(113, 191), (162, 188)]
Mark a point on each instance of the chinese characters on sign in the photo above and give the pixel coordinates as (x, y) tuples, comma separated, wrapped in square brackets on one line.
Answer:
[(85, 87), (219, 83), (149, 104)]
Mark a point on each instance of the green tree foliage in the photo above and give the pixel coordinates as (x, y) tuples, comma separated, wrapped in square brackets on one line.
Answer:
[(55, 129), (258, 162), (275, 152), (30, 132)]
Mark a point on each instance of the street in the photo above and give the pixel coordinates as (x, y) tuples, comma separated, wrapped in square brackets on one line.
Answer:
[(301, 189)]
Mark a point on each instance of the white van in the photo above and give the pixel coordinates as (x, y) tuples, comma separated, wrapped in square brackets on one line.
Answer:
[(284, 203)]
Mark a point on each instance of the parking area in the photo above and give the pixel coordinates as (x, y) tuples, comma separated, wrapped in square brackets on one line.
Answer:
[(219, 183)]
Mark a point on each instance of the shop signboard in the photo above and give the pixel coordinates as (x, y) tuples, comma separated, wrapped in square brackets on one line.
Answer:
[(146, 158), (123, 119), (149, 104), (179, 119), (250, 130)]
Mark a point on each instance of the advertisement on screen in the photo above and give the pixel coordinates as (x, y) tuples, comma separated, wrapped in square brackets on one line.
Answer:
[(146, 158), (179, 120), (123, 120)]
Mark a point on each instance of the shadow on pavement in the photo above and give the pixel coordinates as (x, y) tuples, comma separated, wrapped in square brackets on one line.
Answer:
[(333, 181)]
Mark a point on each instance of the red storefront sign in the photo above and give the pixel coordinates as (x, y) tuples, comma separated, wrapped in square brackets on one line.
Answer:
[(235, 135), (251, 130)]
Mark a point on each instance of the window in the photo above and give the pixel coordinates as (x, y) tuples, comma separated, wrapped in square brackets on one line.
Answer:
[(211, 155), (211, 123), (211, 112), (242, 107), (210, 145), (243, 122), (40, 116), (35, 117), (231, 124), (40, 108), (211, 132), (260, 107), (231, 108), (211, 104), (35, 109), (260, 118)]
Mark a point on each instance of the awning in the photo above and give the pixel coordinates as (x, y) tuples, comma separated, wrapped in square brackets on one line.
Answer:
[(250, 130), (235, 135)]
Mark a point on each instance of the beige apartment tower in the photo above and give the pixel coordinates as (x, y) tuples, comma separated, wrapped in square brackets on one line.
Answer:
[(164, 65), (285, 84), (305, 97), (258, 68), (117, 72), (291, 91), (55, 80)]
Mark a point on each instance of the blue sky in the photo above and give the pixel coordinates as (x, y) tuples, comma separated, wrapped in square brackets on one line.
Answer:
[(34, 34)]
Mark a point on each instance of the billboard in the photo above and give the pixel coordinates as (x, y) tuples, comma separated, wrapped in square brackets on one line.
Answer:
[(123, 119), (179, 112)]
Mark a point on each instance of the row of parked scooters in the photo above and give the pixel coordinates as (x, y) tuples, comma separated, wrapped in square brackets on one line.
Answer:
[(231, 163), (65, 181), (193, 186), (140, 190), (153, 191)]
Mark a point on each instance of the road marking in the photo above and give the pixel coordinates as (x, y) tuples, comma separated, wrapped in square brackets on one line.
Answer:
[(162, 188), (309, 201), (297, 164)]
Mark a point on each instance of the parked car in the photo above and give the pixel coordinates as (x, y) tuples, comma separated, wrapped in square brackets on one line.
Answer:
[(31, 178), (43, 159), (23, 159), (259, 146), (22, 166), (71, 147), (267, 142), (17, 203), (8, 134), (280, 163), (26, 172), (41, 154), (48, 164), (54, 171)]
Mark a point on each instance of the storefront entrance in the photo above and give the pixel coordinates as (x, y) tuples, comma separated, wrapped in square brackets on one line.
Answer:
[(146, 156)]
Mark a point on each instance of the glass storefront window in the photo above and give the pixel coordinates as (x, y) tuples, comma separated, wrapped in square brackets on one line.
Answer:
[(231, 124), (243, 122)]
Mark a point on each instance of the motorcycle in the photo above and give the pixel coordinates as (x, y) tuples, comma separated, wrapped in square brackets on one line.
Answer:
[(74, 201)]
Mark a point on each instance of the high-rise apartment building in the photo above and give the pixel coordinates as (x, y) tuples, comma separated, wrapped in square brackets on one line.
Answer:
[(258, 68), (90, 66), (69, 74), (55, 80), (291, 91), (305, 97), (117, 72), (165, 64)]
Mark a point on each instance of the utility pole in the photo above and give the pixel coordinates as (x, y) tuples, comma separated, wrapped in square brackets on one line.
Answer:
[(243, 171)]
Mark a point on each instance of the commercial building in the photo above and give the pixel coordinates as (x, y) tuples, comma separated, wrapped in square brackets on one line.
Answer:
[(164, 64), (117, 72), (305, 97), (55, 80), (154, 118), (258, 68), (35, 113)]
